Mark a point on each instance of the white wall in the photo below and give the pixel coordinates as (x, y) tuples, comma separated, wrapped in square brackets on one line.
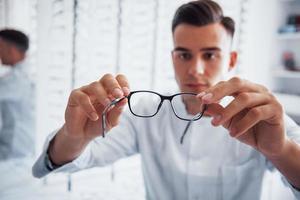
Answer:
[(259, 54), (54, 64)]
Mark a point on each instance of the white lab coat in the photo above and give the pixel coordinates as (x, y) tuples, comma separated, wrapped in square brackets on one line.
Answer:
[(208, 165)]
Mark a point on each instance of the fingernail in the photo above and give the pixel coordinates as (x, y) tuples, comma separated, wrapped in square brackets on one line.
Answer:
[(94, 116), (126, 90), (201, 94), (106, 102), (117, 92), (217, 119), (207, 97)]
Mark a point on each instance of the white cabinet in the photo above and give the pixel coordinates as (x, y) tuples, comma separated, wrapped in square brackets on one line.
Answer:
[(288, 45), (287, 82)]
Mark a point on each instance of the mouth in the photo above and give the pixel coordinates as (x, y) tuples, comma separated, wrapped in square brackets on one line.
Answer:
[(196, 86)]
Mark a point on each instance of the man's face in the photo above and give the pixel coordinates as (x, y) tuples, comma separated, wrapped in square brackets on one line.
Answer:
[(5, 51), (201, 56), (1, 48)]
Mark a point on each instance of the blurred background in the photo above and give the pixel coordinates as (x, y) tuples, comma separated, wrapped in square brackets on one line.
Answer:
[(74, 42)]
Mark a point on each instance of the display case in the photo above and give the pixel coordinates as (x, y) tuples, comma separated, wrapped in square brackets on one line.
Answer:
[(286, 72)]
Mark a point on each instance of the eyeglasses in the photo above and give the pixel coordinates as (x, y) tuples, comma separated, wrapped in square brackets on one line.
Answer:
[(155, 102)]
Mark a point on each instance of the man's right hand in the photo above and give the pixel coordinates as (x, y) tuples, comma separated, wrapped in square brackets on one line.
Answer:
[(83, 116), (86, 104)]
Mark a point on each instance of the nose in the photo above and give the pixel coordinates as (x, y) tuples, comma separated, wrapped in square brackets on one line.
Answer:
[(197, 67)]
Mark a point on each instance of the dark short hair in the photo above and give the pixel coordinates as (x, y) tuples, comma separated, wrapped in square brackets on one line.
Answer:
[(201, 13), (15, 37)]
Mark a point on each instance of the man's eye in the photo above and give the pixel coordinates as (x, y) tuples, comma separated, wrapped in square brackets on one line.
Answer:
[(185, 56), (209, 56)]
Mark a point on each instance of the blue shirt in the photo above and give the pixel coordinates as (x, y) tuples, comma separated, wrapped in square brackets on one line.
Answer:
[(208, 165), (17, 122)]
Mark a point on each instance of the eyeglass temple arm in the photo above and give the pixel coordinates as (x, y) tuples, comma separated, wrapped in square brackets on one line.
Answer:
[(114, 102), (185, 131), (190, 122)]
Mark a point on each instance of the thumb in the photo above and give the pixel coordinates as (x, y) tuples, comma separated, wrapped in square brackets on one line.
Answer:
[(215, 111), (114, 114)]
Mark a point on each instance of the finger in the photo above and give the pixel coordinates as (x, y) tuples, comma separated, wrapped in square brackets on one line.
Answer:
[(111, 86), (114, 113), (120, 102), (253, 116), (79, 98), (96, 91), (123, 82), (229, 88), (242, 101), (214, 110)]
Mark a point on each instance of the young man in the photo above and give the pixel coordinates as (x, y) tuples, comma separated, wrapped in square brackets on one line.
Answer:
[(17, 124), (222, 158)]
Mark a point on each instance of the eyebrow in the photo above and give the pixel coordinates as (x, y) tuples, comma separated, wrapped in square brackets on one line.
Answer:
[(203, 49)]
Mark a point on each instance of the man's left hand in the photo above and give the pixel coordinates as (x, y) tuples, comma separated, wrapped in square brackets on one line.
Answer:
[(254, 116)]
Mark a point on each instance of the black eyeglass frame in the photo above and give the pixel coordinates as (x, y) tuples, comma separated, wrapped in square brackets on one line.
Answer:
[(162, 99)]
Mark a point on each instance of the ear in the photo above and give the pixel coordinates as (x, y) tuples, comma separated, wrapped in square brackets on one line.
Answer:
[(233, 60)]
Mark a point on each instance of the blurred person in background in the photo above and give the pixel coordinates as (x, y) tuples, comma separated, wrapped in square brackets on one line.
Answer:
[(224, 155), (17, 121)]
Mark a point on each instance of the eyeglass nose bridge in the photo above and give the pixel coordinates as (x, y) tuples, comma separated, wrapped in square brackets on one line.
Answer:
[(170, 98), (162, 99)]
